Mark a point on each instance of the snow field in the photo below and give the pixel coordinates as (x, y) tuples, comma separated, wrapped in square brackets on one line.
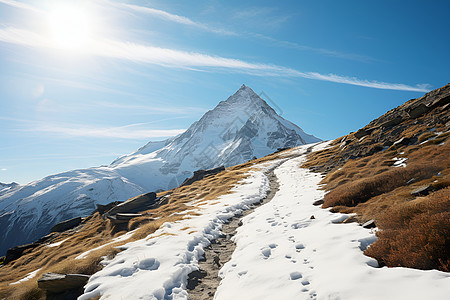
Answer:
[(285, 253), (157, 267)]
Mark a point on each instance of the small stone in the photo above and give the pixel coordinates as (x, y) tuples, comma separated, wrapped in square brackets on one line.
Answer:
[(369, 224), (318, 202), (312, 217), (422, 191)]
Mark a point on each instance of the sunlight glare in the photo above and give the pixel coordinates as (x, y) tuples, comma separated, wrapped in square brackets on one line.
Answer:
[(70, 27)]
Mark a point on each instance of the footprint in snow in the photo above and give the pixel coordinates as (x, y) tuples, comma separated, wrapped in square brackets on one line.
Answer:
[(305, 282), (273, 246), (296, 275), (148, 264), (299, 247), (266, 252)]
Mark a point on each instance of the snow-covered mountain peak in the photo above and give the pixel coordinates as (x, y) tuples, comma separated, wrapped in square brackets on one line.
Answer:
[(238, 129), (244, 99)]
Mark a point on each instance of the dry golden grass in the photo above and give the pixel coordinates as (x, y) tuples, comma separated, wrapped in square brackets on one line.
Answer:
[(415, 230), (359, 191), (97, 232), (416, 234)]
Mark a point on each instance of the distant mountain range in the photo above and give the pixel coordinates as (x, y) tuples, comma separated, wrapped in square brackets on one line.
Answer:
[(236, 130)]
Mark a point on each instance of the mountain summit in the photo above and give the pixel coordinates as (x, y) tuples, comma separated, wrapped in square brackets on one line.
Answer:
[(238, 129)]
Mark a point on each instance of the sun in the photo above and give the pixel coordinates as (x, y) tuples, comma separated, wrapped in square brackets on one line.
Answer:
[(70, 27)]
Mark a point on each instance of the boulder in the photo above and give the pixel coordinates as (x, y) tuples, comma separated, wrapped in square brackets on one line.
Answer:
[(66, 225), (440, 102), (47, 238), (361, 133), (54, 283), (134, 205), (122, 218), (422, 190), (281, 149), (16, 252), (395, 121), (200, 174), (104, 208), (415, 112)]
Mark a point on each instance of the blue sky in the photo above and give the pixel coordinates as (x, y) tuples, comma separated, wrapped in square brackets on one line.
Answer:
[(123, 73)]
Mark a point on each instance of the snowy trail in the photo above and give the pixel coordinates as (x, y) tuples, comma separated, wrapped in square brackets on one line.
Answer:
[(290, 249), (203, 283)]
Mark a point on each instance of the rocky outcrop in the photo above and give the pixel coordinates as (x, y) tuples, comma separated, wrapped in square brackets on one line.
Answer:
[(399, 127), (66, 225), (101, 209), (134, 205), (122, 218), (16, 252), (200, 174), (62, 286)]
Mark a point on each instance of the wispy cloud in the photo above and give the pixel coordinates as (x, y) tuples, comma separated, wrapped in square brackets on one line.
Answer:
[(122, 132), (260, 12), (326, 52), (3, 169), (193, 60), (173, 18)]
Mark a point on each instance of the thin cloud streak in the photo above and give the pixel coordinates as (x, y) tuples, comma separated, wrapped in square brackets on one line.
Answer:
[(123, 132), (191, 60), (275, 42), (326, 52), (173, 18)]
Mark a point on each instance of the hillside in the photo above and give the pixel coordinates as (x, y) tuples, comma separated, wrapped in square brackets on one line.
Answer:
[(396, 171), (285, 226)]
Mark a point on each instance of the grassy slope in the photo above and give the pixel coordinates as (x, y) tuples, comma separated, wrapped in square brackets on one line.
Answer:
[(361, 178)]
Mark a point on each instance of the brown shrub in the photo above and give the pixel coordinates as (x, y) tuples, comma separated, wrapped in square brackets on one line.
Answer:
[(358, 191), (416, 234)]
